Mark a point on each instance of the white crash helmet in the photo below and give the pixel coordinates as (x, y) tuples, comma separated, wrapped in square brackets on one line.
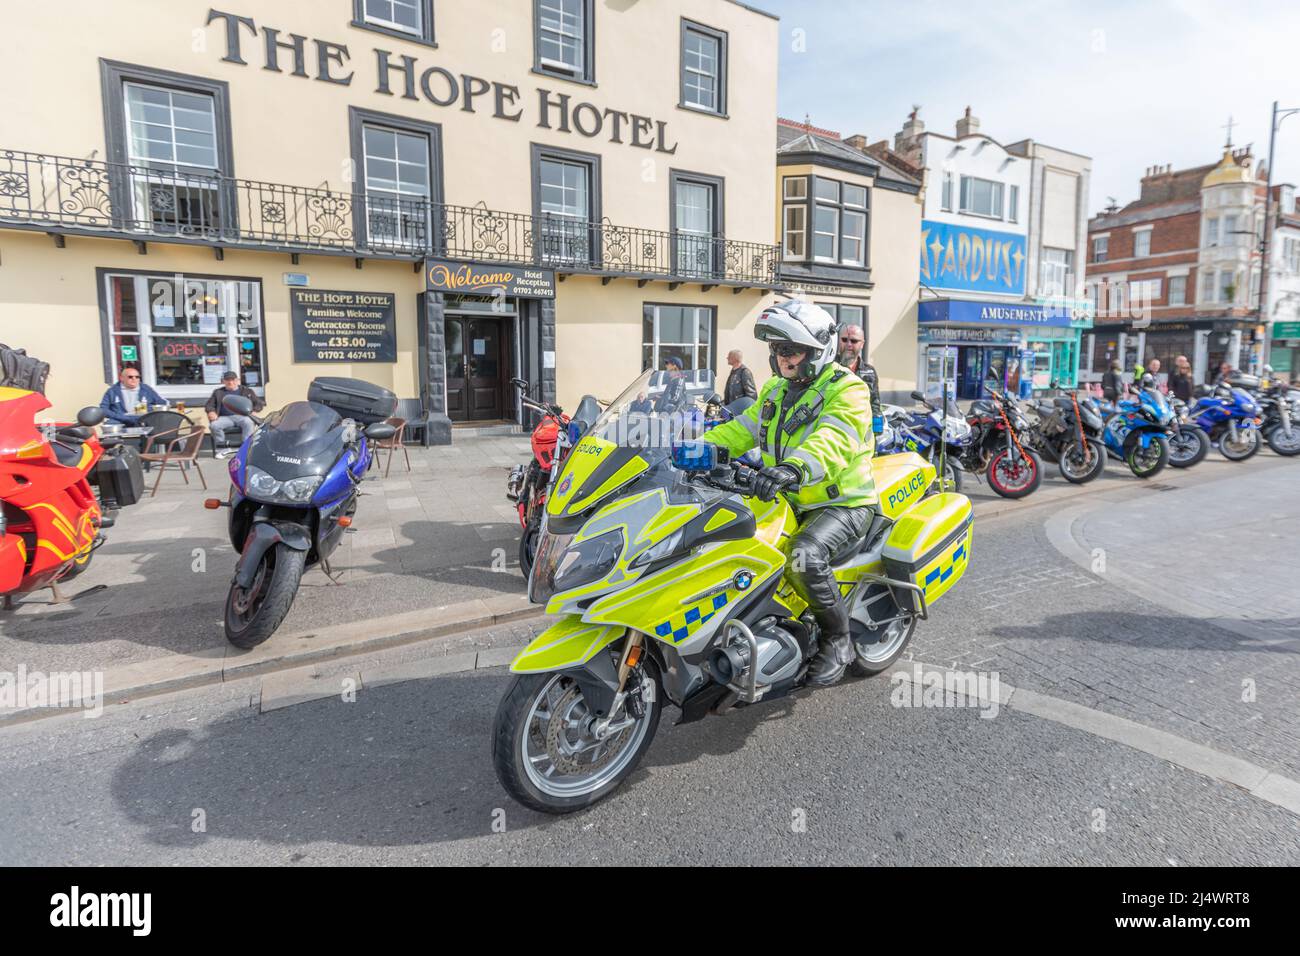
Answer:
[(801, 323)]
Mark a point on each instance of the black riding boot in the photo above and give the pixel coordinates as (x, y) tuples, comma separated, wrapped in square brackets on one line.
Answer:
[(823, 535)]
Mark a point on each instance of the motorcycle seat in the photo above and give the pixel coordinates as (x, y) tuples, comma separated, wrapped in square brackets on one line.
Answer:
[(878, 525)]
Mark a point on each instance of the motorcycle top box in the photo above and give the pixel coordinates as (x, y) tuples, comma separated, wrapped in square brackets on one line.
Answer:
[(351, 398)]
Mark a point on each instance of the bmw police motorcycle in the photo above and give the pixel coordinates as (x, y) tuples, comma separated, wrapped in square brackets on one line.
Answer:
[(668, 578)]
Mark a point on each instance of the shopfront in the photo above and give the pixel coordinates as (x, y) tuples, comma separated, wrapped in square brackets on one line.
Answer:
[(966, 345), (1284, 350)]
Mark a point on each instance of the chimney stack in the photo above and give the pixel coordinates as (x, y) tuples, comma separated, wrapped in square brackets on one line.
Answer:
[(967, 125), (908, 142)]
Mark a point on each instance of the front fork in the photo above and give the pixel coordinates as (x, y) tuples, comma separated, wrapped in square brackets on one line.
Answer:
[(633, 649)]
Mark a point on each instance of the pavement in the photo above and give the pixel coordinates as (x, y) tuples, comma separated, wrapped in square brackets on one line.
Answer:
[(433, 554)]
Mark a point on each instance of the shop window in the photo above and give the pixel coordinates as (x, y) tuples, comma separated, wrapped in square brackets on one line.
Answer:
[(563, 38), (697, 224), (399, 172), (687, 332), (981, 197), (183, 331), (408, 19), (1178, 290), (703, 68), (566, 201), (170, 133)]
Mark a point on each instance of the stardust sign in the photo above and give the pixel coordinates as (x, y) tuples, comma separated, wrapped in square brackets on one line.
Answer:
[(488, 279)]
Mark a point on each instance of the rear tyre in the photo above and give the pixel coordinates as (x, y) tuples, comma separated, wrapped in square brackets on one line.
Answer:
[(252, 615), (544, 752), (876, 651), (1013, 474), (1248, 442), (1148, 462), (1188, 447), (950, 480), (1282, 445), (1081, 462)]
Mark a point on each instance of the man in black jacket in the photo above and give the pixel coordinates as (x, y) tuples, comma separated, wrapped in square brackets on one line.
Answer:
[(222, 420), (740, 383), (852, 341)]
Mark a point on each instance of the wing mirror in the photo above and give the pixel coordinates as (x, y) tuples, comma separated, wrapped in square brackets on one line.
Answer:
[(380, 431), (90, 416), (237, 405)]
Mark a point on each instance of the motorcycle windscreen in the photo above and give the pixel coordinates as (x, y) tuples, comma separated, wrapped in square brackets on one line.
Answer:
[(303, 438)]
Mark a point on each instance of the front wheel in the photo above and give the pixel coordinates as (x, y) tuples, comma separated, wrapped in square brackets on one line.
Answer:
[(1281, 444), (1188, 446), (547, 751), (1015, 474), (252, 615), (528, 546), (1082, 461), (1248, 442), (1147, 462)]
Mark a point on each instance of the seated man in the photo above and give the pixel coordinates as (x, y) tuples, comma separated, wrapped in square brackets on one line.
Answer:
[(223, 420), (125, 395)]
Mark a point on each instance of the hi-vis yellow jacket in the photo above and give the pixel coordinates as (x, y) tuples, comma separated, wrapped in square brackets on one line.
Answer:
[(825, 434)]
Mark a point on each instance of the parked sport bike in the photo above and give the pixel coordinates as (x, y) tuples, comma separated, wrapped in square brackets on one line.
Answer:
[(1135, 431), (1069, 434), (1188, 443), (923, 432), (50, 513), (999, 445), (1230, 416), (294, 485), (528, 485), (1280, 413), (668, 580)]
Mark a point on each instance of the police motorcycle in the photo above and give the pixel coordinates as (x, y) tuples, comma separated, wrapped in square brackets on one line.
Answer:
[(668, 579)]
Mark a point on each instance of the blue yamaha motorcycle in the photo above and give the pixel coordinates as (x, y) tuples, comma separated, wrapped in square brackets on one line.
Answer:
[(1230, 416), (1136, 431), (294, 492), (923, 432)]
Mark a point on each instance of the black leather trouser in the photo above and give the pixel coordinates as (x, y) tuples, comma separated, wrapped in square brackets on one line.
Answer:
[(822, 535)]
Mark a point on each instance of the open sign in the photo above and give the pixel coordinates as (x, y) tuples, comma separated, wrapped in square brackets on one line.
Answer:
[(184, 348)]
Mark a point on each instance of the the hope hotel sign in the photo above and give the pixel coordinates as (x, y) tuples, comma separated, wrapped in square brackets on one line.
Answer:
[(404, 76)]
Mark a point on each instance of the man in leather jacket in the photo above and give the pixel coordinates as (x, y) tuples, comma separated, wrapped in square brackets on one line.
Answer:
[(852, 341), (812, 425)]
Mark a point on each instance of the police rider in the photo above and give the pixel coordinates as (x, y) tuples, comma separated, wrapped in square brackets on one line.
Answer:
[(812, 423)]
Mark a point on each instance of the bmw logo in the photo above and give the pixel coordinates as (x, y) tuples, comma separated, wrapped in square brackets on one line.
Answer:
[(565, 485), (742, 580)]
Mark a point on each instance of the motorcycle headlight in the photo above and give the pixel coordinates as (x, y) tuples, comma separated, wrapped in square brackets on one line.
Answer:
[(589, 561), (656, 551), (301, 489), (260, 484)]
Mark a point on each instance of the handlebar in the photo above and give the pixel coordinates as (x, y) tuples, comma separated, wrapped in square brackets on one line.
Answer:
[(735, 477)]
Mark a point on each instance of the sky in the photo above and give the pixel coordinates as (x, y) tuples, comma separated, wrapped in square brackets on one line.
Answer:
[(1131, 84)]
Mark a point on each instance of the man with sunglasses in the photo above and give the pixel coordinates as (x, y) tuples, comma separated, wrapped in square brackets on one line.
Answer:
[(852, 341), (812, 422), (123, 396)]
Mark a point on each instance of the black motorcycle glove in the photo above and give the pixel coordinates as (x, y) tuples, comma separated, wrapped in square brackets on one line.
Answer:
[(770, 482)]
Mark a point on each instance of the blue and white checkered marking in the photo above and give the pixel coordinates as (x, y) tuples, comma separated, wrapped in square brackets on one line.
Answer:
[(942, 573)]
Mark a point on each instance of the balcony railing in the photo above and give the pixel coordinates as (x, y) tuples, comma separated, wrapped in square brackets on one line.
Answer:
[(63, 195)]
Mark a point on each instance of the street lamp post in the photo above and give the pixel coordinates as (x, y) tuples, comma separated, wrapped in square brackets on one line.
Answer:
[(1266, 319)]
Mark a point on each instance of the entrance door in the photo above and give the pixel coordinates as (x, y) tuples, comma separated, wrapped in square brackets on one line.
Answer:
[(476, 362)]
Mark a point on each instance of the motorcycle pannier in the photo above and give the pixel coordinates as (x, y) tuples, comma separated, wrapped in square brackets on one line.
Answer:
[(354, 399), (929, 546), (120, 477)]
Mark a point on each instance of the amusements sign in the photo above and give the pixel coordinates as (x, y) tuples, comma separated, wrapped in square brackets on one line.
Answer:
[(343, 326)]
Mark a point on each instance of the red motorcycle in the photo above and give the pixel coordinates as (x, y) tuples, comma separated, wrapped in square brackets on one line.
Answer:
[(528, 485), (50, 515), (999, 445)]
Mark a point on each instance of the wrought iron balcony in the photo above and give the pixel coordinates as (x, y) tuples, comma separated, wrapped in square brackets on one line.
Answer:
[(66, 196)]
